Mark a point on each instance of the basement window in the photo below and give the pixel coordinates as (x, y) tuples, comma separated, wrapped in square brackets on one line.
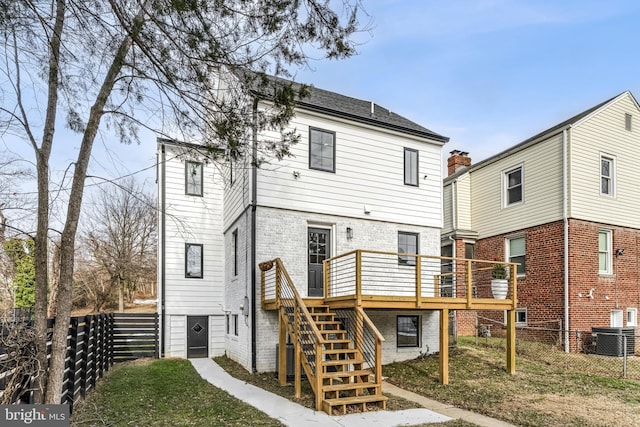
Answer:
[(408, 334)]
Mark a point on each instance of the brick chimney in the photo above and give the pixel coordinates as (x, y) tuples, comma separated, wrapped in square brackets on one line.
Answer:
[(457, 160)]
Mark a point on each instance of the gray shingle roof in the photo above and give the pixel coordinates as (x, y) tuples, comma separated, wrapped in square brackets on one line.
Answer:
[(364, 112), (338, 105)]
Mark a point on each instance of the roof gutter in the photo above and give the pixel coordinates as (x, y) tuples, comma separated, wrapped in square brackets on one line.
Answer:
[(254, 201), (565, 220), (163, 221)]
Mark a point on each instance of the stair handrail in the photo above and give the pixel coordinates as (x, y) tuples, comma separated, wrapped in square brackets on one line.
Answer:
[(379, 339), (298, 300)]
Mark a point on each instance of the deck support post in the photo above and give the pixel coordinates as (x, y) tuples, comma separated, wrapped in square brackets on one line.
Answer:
[(282, 348), (511, 341), (444, 346), (298, 365)]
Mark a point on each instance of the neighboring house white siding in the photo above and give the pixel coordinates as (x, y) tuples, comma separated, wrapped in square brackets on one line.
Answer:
[(369, 170), (622, 145), (463, 202), (542, 190), (447, 208)]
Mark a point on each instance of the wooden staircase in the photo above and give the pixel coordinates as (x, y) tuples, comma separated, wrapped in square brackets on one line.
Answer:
[(348, 384), (343, 365)]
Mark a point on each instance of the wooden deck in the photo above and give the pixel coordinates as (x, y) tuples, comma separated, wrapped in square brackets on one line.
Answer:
[(360, 280)]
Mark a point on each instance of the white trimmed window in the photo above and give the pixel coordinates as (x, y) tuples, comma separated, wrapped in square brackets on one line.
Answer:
[(411, 167), (628, 119), (632, 316), (193, 178), (513, 185), (607, 175), (516, 252), (193, 261), (521, 317), (604, 252)]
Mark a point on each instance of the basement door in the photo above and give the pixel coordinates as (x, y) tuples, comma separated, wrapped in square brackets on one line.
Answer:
[(319, 250), (197, 336)]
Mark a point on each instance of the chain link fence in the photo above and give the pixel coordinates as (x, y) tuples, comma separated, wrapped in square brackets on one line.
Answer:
[(606, 351)]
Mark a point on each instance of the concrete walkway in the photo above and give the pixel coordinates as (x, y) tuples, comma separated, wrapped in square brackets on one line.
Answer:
[(294, 415)]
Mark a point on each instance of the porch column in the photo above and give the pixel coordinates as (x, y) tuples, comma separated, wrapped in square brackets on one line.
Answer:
[(444, 346), (511, 341)]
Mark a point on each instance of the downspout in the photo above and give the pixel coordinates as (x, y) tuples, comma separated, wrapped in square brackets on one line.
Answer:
[(254, 199), (565, 219), (163, 221)]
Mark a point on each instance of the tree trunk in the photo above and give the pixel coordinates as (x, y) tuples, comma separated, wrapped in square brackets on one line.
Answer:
[(63, 310)]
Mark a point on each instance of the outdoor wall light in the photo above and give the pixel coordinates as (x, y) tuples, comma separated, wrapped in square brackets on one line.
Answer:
[(349, 233), (619, 251), (296, 174)]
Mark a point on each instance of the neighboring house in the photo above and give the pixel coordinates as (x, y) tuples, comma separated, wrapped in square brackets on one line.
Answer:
[(564, 204), (362, 177)]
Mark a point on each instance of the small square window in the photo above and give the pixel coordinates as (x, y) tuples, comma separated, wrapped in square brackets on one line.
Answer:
[(632, 317), (411, 167), (513, 181), (521, 316), (193, 178), (408, 332), (322, 150), (628, 119), (407, 244), (193, 261)]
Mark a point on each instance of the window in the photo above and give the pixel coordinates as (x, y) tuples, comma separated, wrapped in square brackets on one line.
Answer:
[(322, 150), (521, 317), (193, 178), (234, 236), (411, 167), (607, 175), (604, 252), (234, 318), (227, 320), (407, 244), (513, 188), (193, 261), (632, 317), (408, 331), (516, 253), (627, 121)]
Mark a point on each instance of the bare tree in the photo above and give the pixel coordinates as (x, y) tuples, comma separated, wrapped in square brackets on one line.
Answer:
[(121, 236), (129, 63)]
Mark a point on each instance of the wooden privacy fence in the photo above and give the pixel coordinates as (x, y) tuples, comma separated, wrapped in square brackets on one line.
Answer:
[(94, 343)]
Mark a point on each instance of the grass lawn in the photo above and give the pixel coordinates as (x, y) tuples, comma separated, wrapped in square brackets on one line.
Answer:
[(166, 392), (541, 393)]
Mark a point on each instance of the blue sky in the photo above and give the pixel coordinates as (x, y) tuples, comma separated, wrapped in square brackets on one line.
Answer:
[(486, 73), (490, 73)]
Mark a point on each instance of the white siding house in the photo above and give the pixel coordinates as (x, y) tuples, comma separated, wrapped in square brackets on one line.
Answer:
[(361, 177), (573, 223)]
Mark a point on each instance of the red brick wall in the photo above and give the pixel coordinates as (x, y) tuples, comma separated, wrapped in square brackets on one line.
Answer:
[(541, 291), (621, 287)]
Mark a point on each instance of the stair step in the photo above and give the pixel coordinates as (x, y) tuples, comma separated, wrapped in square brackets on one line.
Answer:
[(340, 404), (349, 386), (341, 352), (340, 362), (347, 374)]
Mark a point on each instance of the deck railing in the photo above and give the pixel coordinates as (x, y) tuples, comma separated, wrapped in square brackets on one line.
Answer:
[(363, 275)]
